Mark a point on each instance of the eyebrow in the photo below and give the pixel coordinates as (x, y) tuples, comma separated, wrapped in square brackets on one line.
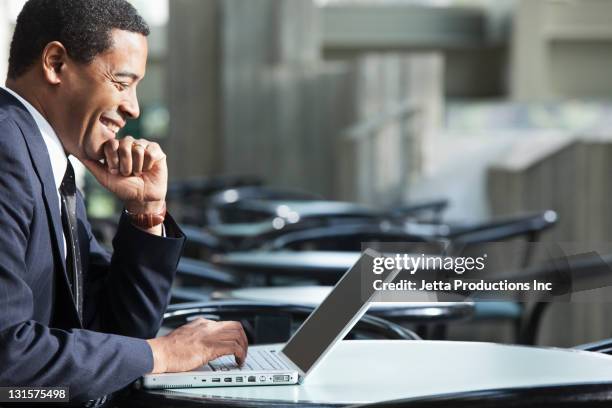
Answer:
[(130, 75)]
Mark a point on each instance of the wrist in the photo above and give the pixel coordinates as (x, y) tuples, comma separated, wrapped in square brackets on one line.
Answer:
[(147, 216), (148, 207), (159, 360)]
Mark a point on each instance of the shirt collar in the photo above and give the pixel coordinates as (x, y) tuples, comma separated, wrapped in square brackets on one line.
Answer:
[(59, 160)]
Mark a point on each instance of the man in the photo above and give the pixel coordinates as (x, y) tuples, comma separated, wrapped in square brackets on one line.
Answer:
[(70, 315)]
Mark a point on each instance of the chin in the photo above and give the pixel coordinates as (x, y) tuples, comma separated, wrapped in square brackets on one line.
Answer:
[(94, 150), (95, 154)]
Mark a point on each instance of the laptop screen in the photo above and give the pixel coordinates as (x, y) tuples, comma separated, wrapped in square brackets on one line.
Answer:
[(334, 317)]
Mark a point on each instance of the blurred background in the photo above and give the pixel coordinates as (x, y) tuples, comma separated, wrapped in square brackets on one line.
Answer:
[(487, 108)]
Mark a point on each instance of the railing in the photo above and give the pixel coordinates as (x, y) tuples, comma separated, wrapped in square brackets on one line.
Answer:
[(381, 154)]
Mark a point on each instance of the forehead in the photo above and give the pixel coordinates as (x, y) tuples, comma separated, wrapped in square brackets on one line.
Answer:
[(128, 53)]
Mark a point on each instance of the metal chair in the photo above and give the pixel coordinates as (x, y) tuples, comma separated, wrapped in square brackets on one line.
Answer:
[(428, 318), (342, 237), (273, 322), (591, 268), (188, 196), (202, 244), (194, 272), (530, 227), (290, 215), (426, 211), (601, 346), (181, 294), (222, 207), (196, 280), (247, 222)]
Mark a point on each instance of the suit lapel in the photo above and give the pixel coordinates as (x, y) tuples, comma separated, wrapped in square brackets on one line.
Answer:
[(42, 165)]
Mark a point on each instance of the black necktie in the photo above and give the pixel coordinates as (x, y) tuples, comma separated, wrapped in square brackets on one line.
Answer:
[(69, 223), (73, 253)]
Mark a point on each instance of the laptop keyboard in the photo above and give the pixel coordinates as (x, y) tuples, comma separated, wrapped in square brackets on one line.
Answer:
[(257, 360)]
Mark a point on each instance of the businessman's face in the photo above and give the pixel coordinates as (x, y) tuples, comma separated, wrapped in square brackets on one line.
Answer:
[(101, 96)]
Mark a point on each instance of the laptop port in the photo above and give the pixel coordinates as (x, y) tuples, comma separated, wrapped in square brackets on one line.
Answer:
[(227, 379), (238, 379), (262, 378), (252, 378), (216, 380), (280, 378)]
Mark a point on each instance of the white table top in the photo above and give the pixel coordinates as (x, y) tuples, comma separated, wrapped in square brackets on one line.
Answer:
[(366, 371), (314, 295), (309, 208), (327, 260)]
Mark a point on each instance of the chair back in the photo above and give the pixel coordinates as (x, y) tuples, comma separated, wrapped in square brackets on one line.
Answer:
[(273, 322), (342, 237)]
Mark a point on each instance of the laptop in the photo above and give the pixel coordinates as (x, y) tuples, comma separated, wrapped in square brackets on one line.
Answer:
[(272, 365)]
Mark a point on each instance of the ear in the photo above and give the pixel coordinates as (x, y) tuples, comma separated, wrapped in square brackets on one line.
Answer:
[(54, 58)]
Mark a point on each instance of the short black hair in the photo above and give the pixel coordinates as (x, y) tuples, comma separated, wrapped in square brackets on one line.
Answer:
[(82, 26)]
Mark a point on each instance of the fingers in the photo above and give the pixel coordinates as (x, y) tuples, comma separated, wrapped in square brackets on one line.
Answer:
[(238, 337), (138, 155), (154, 153), (125, 155), (202, 340), (132, 157), (112, 156), (240, 353), (233, 331), (228, 348), (228, 338), (243, 341)]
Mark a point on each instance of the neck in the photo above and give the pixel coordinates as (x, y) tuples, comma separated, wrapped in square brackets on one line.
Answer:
[(24, 88), (30, 90)]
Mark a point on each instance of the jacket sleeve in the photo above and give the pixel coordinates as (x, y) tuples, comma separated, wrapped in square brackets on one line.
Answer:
[(128, 293), (90, 363)]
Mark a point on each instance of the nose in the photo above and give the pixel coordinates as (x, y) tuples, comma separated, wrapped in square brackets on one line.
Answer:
[(129, 105)]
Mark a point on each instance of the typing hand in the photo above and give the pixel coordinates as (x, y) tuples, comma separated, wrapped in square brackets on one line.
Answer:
[(196, 343)]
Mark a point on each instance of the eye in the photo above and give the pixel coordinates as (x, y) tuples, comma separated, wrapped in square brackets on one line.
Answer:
[(121, 86)]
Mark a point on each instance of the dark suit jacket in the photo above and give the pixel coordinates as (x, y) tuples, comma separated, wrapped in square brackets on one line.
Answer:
[(42, 341)]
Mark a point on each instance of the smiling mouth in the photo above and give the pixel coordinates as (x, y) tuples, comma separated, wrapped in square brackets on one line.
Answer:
[(110, 125)]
